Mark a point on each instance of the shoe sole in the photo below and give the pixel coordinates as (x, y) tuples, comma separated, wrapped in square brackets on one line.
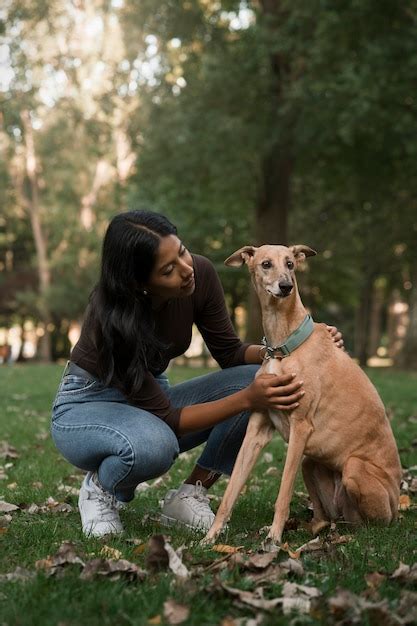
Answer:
[(171, 521)]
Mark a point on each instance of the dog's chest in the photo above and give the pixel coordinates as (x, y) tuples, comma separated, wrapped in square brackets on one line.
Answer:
[(278, 418)]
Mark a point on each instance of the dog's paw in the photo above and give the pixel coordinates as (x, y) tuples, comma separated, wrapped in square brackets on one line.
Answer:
[(269, 545), (317, 526)]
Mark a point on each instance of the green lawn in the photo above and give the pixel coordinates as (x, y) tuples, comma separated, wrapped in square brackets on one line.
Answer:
[(39, 473)]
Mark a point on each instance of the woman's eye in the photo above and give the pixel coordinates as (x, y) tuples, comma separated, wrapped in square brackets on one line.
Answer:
[(290, 265), (266, 265), (168, 271)]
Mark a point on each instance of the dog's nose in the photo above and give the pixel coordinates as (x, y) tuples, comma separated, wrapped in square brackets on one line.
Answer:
[(285, 288)]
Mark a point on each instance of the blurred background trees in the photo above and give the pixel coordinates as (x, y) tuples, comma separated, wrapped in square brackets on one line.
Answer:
[(245, 122)]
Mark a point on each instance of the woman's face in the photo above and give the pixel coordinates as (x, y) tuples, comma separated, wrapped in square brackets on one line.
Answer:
[(173, 273)]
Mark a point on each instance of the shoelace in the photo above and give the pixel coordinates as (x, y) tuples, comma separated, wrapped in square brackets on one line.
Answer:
[(107, 504), (202, 502)]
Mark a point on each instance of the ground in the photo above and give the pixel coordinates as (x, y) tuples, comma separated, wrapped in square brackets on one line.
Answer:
[(36, 479)]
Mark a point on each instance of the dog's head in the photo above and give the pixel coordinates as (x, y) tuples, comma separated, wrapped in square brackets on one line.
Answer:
[(272, 267)]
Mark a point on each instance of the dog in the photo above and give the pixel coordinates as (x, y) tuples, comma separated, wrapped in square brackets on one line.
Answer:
[(351, 465)]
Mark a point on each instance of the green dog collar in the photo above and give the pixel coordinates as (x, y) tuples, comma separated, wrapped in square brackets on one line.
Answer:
[(295, 340)]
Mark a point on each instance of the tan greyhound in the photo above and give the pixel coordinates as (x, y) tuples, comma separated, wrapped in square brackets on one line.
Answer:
[(351, 466)]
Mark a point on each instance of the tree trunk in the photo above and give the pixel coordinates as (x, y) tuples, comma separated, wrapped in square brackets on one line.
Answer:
[(362, 322), (375, 321), (407, 358), (44, 274), (397, 324)]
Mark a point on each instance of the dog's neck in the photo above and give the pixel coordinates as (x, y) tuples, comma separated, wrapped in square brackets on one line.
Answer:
[(281, 316)]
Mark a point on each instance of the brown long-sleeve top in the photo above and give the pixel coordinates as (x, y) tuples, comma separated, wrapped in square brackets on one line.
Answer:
[(174, 320)]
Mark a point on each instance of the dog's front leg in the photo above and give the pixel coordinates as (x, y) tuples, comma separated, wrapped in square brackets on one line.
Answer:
[(258, 434), (300, 431)]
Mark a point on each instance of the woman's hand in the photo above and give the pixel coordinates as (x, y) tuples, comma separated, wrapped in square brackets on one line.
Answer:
[(336, 335), (278, 392)]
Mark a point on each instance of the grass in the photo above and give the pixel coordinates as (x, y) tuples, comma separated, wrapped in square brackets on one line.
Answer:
[(26, 393)]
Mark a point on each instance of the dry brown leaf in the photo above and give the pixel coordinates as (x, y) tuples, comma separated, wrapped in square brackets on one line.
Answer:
[(260, 560), (162, 555), (155, 620), (19, 574), (357, 610), (112, 569), (404, 502), (253, 598), (405, 573), (374, 579), (175, 613), (65, 555), (140, 549), (407, 607), (7, 451), (110, 553), (49, 506), (292, 590), (220, 547), (157, 557), (6, 507), (175, 562)]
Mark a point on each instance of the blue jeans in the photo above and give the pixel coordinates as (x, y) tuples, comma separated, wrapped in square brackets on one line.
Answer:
[(95, 429)]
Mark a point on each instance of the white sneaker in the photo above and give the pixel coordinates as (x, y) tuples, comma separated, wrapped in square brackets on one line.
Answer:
[(188, 506), (99, 509)]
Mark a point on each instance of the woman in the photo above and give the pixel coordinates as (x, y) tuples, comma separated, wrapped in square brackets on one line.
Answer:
[(115, 414)]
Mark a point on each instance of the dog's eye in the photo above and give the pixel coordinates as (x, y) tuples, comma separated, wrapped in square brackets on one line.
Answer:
[(290, 265), (266, 265)]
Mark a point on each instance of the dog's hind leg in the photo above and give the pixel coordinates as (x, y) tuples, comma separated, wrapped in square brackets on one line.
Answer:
[(258, 434), (370, 498), (300, 431), (322, 485)]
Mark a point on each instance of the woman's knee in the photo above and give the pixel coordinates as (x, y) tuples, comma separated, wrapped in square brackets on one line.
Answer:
[(155, 453)]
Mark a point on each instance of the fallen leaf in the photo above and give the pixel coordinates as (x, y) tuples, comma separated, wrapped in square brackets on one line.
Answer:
[(348, 608), (374, 579), (267, 457), (7, 451), (253, 598), (260, 560), (219, 547), (405, 573), (6, 507), (11, 486), (110, 553), (65, 555), (157, 558), (175, 562), (291, 590), (19, 574), (155, 620), (407, 607), (114, 570), (175, 613)]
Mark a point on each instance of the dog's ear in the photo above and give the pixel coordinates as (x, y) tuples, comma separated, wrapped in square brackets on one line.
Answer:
[(300, 252), (241, 256)]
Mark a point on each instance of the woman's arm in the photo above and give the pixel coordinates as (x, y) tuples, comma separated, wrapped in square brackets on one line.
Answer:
[(267, 391)]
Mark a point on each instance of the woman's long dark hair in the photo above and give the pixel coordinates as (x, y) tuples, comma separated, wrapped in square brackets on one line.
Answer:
[(123, 326)]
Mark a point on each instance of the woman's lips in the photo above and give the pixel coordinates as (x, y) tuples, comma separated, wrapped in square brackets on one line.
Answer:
[(189, 282)]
